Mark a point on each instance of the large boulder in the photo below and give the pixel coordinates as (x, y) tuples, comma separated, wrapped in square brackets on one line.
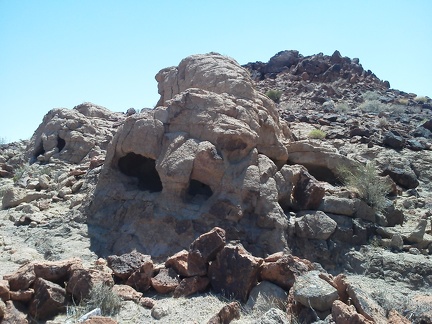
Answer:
[(208, 156)]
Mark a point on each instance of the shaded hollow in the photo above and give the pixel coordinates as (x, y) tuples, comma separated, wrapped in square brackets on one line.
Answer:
[(322, 173), (61, 143), (143, 168), (198, 188)]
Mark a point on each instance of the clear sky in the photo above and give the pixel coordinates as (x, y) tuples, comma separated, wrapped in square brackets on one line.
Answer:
[(60, 53)]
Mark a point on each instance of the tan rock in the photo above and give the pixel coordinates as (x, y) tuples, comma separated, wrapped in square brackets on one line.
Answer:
[(15, 313), (147, 302), (395, 318), (4, 290), (100, 320), (22, 295), (227, 314), (23, 278), (126, 292), (191, 285), (344, 314), (365, 305)]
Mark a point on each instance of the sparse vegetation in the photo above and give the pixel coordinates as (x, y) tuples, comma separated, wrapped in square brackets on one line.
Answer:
[(403, 101), (370, 95), (3, 140), (317, 134), (342, 107), (369, 185), (374, 106), (274, 95), (19, 173), (101, 296), (421, 99)]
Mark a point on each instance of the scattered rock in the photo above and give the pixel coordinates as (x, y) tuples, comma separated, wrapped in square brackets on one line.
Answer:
[(165, 281), (228, 313), (49, 299)]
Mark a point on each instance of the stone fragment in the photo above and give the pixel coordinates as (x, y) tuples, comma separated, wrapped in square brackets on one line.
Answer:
[(227, 314), (314, 225), (311, 291), (147, 302), (141, 278), (55, 271), (344, 314), (308, 192), (395, 318), (284, 270), (266, 296), (365, 305), (126, 264), (396, 242), (165, 281), (273, 315), (186, 266), (15, 313), (49, 299), (338, 206), (81, 281), (126, 292), (393, 140), (404, 177), (100, 320), (234, 272), (191, 285), (416, 236), (23, 278), (4, 290), (22, 295), (160, 311)]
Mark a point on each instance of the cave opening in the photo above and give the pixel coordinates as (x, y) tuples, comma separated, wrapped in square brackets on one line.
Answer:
[(39, 151), (61, 143), (198, 189), (143, 168)]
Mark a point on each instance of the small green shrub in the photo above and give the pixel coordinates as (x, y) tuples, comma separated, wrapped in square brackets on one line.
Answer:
[(274, 95), (403, 101), (374, 106), (370, 95), (342, 107), (101, 296), (366, 180), (317, 134), (421, 99)]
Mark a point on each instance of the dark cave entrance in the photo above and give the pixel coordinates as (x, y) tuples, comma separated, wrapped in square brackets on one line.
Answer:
[(39, 151), (143, 168), (61, 143), (197, 189)]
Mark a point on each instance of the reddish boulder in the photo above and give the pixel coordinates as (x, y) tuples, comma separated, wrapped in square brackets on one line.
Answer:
[(141, 278), (207, 245), (126, 292), (100, 320), (55, 271), (165, 281), (82, 280), (126, 264), (147, 302), (22, 295), (234, 272), (228, 313), (185, 265), (191, 285), (14, 313), (344, 314), (49, 299), (4, 290), (23, 278), (284, 271)]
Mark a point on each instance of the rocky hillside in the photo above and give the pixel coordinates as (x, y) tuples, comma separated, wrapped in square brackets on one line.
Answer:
[(300, 187)]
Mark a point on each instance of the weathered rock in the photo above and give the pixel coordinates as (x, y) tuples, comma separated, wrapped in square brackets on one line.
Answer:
[(22, 295), (397, 242), (311, 291), (208, 159), (81, 281), (4, 290), (23, 278), (126, 264), (55, 271), (344, 314), (403, 177), (266, 296), (147, 302), (416, 235), (283, 270), (365, 305), (141, 278), (183, 266), (49, 299), (14, 313), (191, 285), (273, 315), (308, 192), (339, 206), (159, 311), (126, 292), (395, 318), (100, 320), (13, 196), (228, 313), (393, 140), (314, 225), (206, 246), (165, 281), (234, 272), (419, 309)]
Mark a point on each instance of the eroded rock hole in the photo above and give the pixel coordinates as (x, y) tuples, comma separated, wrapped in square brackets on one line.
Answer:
[(197, 188), (60, 143), (143, 168), (38, 151)]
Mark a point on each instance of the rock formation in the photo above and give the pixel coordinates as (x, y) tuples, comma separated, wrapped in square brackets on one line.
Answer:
[(213, 152)]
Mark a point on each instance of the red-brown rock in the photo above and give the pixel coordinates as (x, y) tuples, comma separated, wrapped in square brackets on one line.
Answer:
[(344, 314), (234, 272), (126, 292), (14, 313), (147, 302), (395, 318), (228, 313), (82, 280), (207, 245), (141, 278), (49, 299), (55, 271), (126, 264), (165, 281), (191, 285), (22, 295), (284, 270), (4, 290), (23, 278), (186, 266)]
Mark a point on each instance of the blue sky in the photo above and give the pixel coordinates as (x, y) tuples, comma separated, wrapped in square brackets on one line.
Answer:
[(60, 53)]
